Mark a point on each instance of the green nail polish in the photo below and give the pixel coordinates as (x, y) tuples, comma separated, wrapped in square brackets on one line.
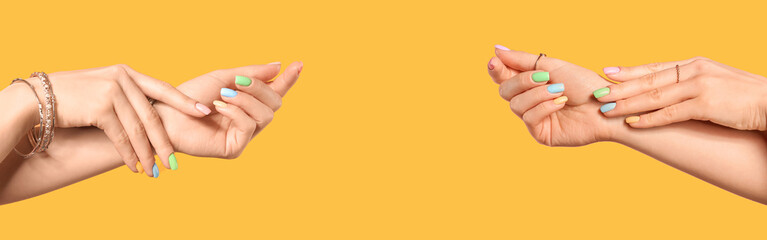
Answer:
[(173, 162), (541, 77), (242, 81), (601, 92)]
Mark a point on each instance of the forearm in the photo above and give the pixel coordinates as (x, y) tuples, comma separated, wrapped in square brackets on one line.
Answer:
[(730, 159), (19, 110)]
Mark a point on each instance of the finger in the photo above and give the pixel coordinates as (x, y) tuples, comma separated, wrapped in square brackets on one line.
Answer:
[(115, 132), (627, 73), (522, 82), (654, 99), (679, 112), (152, 123), (523, 61), (166, 93), (136, 132), (244, 126), (499, 72), (258, 111), (535, 115), (644, 84), (529, 99), (285, 81), (260, 91), (263, 72)]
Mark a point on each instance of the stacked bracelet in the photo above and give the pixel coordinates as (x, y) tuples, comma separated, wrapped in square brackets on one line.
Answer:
[(44, 136)]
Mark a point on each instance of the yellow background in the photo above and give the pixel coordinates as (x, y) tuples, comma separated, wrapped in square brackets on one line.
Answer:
[(394, 130)]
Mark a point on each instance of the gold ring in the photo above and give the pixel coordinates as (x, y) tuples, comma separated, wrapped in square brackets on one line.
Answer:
[(535, 67), (677, 73)]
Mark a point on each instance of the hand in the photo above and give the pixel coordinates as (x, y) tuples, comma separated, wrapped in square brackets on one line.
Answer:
[(114, 99), (573, 123), (226, 132), (707, 91)]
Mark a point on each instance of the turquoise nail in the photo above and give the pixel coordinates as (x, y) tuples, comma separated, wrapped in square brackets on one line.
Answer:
[(556, 88), (155, 171), (228, 93), (607, 107)]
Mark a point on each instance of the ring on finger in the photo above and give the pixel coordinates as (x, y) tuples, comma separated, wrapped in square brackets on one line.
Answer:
[(535, 66)]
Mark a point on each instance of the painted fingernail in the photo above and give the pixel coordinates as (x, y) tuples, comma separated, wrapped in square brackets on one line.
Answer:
[(560, 100), (556, 88), (632, 119), (607, 107), (497, 46), (540, 77), (611, 70), (155, 171), (601, 92), (228, 92), (173, 162), (275, 63), (490, 65), (219, 103), (202, 108), (242, 81), (139, 167), (300, 68)]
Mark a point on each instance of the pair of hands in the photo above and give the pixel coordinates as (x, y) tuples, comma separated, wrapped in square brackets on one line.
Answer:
[(707, 91), (114, 99)]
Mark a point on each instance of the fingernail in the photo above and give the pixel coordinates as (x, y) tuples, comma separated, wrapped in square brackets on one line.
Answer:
[(607, 107), (202, 108), (242, 81), (632, 119), (497, 46), (139, 167), (155, 171), (556, 88), (611, 70), (228, 92), (219, 103), (490, 65), (301, 68), (540, 77), (275, 63), (173, 162), (601, 92), (560, 100)]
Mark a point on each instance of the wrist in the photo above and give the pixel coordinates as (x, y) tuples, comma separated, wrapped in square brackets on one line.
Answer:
[(25, 107)]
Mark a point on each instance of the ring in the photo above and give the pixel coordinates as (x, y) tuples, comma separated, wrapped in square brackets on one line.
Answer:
[(151, 101), (677, 73), (535, 67)]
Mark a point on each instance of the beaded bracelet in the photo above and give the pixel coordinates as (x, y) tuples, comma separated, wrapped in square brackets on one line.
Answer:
[(34, 140)]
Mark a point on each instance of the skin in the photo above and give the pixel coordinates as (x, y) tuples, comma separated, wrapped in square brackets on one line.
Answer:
[(81, 153), (707, 91), (728, 158)]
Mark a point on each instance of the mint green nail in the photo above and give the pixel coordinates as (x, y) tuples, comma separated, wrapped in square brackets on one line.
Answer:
[(541, 77), (173, 162), (601, 92), (242, 81)]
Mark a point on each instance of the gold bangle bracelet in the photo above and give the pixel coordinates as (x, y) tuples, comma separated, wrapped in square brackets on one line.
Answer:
[(34, 140)]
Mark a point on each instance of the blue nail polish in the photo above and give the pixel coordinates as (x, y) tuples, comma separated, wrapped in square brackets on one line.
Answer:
[(155, 171), (556, 88), (607, 107), (228, 92)]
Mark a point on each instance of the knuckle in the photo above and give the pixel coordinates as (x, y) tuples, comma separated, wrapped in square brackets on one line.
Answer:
[(122, 138), (277, 104), (655, 95), (152, 116), (669, 112), (139, 130), (654, 67), (118, 69), (701, 64), (650, 80)]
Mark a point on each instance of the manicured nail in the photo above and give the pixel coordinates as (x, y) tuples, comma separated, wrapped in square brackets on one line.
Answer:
[(242, 81), (541, 77), (556, 88), (601, 92), (202, 108), (228, 92), (490, 65), (275, 63), (139, 167), (219, 103), (300, 68), (632, 119), (173, 162), (501, 47), (607, 107), (560, 100), (611, 70), (155, 171)]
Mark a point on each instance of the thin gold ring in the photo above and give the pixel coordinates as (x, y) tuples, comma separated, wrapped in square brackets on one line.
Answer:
[(677, 73), (535, 67)]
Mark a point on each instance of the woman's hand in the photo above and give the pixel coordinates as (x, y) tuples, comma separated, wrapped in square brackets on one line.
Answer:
[(707, 90), (552, 122), (251, 100), (114, 99)]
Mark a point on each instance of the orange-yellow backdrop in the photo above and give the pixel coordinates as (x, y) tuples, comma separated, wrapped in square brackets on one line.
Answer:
[(394, 130)]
